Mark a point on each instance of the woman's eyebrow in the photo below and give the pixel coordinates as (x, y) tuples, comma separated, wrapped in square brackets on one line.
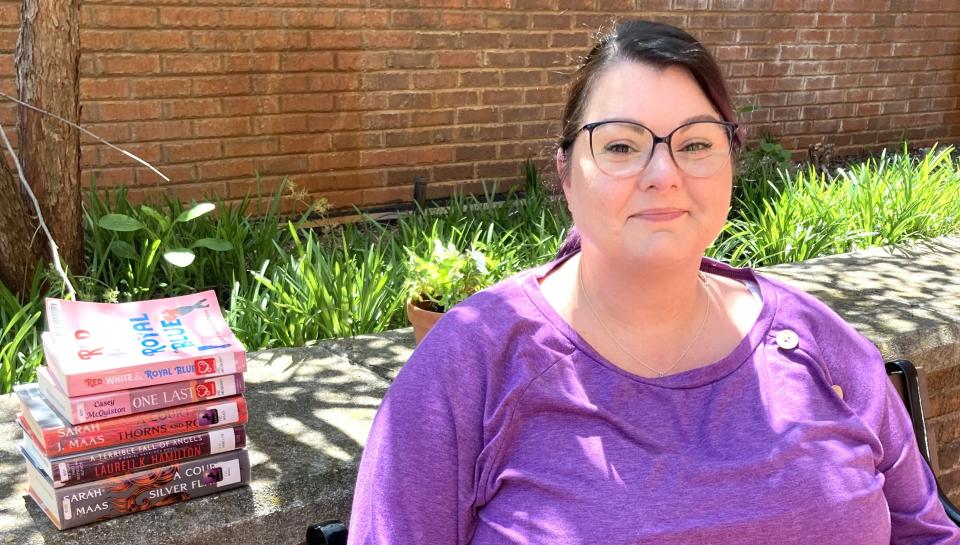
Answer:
[(701, 117)]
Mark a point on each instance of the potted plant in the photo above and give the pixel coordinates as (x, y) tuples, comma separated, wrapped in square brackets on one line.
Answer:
[(447, 276)]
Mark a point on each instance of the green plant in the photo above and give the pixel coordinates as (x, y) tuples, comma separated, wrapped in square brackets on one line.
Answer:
[(20, 324), (761, 171), (882, 201), (447, 276)]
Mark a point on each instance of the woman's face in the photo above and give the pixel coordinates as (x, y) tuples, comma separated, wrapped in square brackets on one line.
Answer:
[(660, 216)]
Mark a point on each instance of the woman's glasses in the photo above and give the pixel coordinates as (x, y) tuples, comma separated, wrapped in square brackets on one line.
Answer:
[(624, 148)]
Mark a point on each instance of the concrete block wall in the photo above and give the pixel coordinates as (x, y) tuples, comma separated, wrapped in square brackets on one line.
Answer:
[(354, 99)]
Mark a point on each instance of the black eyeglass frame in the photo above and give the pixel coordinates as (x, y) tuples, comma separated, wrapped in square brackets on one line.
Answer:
[(589, 127)]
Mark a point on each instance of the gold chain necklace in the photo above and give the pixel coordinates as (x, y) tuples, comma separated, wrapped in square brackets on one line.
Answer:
[(703, 321)]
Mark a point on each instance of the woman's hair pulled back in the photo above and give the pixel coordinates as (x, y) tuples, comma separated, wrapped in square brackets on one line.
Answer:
[(645, 42)]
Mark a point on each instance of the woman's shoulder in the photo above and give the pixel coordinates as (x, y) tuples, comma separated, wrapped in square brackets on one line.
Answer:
[(847, 355), (488, 331)]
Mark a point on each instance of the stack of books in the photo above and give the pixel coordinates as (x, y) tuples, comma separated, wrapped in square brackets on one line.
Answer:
[(139, 405)]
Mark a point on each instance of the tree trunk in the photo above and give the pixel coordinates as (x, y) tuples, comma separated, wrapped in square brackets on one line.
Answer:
[(47, 61)]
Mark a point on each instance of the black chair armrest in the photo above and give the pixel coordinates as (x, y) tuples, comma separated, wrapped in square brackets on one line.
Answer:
[(330, 532)]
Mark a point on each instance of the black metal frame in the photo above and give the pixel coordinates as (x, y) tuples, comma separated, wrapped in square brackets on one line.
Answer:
[(905, 371)]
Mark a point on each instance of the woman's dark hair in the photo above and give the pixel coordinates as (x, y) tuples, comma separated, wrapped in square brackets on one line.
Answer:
[(653, 44)]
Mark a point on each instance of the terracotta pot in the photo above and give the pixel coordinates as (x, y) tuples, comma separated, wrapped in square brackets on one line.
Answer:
[(421, 320)]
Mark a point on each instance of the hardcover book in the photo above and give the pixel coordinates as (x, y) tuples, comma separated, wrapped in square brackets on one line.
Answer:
[(103, 347), (81, 504), (57, 437), (100, 464), (91, 408)]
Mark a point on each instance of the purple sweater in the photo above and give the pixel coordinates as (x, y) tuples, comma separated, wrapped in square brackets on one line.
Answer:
[(506, 427)]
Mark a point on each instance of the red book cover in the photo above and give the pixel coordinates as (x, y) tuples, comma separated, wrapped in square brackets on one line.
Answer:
[(80, 504), (101, 464), (94, 407), (57, 437)]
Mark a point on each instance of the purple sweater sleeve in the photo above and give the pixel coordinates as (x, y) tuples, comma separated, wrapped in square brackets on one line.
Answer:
[(416, 483)]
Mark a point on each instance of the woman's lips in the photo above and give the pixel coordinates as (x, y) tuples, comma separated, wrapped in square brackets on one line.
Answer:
[(660, 214)]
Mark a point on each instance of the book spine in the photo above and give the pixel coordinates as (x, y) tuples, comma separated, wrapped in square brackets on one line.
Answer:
[(102, 464), (151, 374), (113, 404), (143, 490), (145, 426)]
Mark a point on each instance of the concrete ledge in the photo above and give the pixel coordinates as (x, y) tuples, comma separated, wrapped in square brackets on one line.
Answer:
[(310, 412), (311, 408)]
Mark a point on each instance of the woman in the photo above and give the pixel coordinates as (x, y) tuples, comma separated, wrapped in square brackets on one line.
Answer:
[(633, 391)]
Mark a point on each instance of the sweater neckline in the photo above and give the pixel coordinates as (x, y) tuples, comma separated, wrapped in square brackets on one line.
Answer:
[(692, 378)]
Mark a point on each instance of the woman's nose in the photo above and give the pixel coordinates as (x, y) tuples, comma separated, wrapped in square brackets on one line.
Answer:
[(661, 171)]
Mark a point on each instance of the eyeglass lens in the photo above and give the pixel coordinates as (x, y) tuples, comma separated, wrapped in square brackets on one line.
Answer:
[(698, 149)]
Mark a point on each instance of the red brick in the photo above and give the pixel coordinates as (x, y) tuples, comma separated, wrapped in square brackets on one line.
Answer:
[(438, 40), (306, 61), (283, 164), (335, 160), (190, 17), (99, 40), (451, 20), (497, 59), (161, 130), (223, 169), (177, 109), (415, 19), (477, 115), (311, 102), (333, 81), (492, 97), (357, 140), (311, 18), (409, 101), (252, 62), (159, 40), (360, 101), (432, 118), (193, 151), (104, 88), (333, 122), (243, 147), (138, 65), (192, 63), (222, 86), (282, 41), (250, 105), (486, 78), (230, 126), (385, 80), (128, 111), (457, 98), (387, 39), (280, 124), (281, 83), (434, 80), (252, 18), (458, 59), (118, 17), (381, 120), (221, 40), (328, 40), (400, 60), (305, 143), (505, 20)]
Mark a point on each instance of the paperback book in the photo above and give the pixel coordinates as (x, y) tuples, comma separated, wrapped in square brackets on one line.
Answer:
[(103, 347), (91, 408), (99, 464), (57, 437), (81, 504)]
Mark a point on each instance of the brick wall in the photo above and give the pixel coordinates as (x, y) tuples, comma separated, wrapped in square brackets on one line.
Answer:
[(353, 99)]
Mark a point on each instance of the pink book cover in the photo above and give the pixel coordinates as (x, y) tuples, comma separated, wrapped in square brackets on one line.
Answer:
[(94, 407), (103, 347)]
